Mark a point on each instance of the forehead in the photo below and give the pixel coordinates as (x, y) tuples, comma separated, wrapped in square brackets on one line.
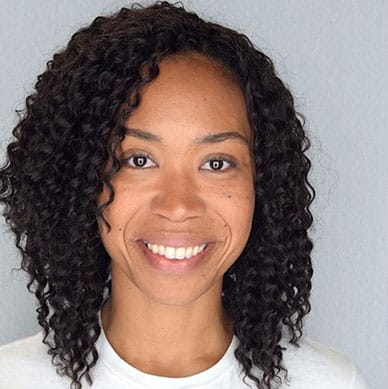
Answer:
[(191, 93)]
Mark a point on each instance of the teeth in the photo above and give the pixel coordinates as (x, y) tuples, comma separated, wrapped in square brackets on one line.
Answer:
[(175, 252), (170, 252), (189, 252), (180, 253)]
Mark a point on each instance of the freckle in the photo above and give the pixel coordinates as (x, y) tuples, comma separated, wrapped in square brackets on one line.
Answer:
[(225, 225), (229, 196), (120, 229)]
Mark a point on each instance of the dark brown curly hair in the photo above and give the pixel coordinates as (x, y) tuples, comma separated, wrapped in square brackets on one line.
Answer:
[(55, 170)]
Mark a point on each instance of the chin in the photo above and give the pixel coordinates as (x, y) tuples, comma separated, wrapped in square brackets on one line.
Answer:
[(177, 295)]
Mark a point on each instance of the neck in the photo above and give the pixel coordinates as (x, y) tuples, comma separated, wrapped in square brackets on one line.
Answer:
[(166, 340)]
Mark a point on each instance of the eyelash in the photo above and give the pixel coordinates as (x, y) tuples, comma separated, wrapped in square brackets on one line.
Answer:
[(232, 163), (136, 155)]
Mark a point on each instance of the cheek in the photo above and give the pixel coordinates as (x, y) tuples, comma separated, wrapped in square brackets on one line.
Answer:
[(118, 212), (236, 207), (243, 216)]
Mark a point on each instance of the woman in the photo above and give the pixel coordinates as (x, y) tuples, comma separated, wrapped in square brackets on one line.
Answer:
[(158, 191)]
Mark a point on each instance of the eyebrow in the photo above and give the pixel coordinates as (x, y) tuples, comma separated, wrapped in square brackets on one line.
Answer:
[(141, 134), (222, 136), (207, 139)]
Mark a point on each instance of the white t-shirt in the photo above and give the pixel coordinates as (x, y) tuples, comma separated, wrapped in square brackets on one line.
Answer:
[(25, 364)]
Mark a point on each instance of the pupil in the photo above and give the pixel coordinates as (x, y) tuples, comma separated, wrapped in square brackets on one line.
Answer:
[(139, 161), (216, 165)]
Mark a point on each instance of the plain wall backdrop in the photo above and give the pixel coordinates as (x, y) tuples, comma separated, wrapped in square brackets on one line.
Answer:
[(334, 57)]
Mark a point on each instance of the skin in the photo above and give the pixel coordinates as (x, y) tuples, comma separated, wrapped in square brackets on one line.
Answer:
[(165, 323)]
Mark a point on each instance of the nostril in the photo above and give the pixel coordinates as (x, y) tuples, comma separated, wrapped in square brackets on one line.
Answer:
[(177, 208)]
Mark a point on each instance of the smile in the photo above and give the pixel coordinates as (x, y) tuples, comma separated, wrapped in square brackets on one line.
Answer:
[(175, 252)]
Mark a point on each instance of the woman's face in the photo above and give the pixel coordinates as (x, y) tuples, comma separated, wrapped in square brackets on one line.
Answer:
[(186, 185)]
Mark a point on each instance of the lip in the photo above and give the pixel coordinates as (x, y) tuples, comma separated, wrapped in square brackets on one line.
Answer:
[(175, 266)]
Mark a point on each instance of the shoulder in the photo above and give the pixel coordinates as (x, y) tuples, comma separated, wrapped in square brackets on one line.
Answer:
[(25, 363), (313, 364), (27, 350)]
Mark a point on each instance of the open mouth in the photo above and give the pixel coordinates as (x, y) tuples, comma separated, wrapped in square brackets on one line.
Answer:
[(175, 253)]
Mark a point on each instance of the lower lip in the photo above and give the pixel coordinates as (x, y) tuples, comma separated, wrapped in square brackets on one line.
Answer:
[(175, 266)]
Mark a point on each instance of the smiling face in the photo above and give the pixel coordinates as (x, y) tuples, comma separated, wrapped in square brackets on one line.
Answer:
[(185, 189)]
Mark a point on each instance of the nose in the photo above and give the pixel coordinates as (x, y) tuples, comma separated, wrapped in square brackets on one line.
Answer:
[(177, 198)]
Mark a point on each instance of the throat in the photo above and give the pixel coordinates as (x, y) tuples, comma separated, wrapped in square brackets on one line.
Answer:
[(178, 367), (172, 358)]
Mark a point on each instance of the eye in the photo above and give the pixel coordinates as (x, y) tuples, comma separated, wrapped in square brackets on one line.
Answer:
[(139, 161), (219, 164)]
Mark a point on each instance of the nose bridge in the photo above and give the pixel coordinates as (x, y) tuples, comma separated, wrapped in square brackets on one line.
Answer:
[(178, 196)]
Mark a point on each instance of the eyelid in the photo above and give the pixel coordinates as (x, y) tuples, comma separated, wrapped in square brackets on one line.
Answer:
[(215, 157), (220, 157), (133, 154)]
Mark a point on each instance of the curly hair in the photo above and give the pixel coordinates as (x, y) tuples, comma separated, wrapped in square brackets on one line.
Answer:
[(55, 169)]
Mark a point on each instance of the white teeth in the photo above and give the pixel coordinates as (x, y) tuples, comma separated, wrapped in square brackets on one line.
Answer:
[(175, 252), (170, 252), (180, 253), (189, 252)]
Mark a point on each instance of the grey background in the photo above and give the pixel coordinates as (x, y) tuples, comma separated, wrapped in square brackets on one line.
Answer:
[(334, 57)]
